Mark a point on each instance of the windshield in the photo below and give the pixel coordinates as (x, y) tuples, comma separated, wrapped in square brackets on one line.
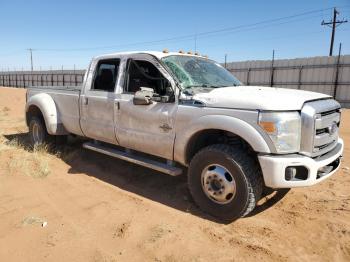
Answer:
[(198, 72)]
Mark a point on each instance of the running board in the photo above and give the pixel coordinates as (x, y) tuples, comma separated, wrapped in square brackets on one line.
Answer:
[(130, 157)]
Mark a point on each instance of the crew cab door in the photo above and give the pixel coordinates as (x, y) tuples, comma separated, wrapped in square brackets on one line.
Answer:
[(97, 101), (146, 128)]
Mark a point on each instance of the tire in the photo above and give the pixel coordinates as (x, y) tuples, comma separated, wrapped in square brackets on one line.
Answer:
[(241, 181), (38, 133)]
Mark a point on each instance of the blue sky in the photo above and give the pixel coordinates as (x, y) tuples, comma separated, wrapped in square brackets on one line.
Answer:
[(69, 33)]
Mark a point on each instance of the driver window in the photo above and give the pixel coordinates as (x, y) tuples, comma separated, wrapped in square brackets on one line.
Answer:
[(142, 73)]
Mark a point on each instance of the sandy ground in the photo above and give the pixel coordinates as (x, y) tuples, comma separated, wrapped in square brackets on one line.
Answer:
[(101, 209)]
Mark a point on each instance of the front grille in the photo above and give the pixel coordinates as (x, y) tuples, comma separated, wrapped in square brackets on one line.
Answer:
[(320, 127), (317, 148), (328, 112), (321, 131)]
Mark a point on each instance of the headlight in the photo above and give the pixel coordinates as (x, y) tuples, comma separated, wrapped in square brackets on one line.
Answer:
[(283, 128)]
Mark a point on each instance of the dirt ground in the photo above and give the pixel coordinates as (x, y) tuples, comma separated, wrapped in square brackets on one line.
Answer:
[(76, 205)]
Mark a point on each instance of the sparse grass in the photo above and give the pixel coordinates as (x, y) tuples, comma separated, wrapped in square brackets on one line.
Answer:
[(40, 162), (35, 163), (2, 140), (19, 158), (68, 154), (14, 143)]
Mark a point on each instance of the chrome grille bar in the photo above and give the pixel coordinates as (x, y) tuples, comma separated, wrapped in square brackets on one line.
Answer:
[(320, 127), (326, 121)]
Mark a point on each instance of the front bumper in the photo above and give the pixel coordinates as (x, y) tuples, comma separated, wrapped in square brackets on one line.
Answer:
[(274, 167)]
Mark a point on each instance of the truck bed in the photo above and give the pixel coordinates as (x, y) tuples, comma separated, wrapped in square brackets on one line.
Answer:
[(66, 99), (67, 88)]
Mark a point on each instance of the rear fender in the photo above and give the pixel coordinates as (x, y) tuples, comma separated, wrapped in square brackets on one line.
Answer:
[(49, 111)]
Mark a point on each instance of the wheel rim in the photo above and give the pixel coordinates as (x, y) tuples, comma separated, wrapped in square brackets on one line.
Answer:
[(218, 184), (37, 134)]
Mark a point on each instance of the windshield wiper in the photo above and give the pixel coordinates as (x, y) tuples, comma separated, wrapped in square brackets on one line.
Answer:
[(190, 89), (192, 86)]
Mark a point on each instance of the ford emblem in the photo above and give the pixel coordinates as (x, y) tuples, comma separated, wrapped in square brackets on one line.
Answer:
[(332, 128)]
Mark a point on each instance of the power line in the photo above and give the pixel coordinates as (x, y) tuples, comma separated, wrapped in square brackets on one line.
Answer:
[(286, 36), (193, 36), (334, 24), (206, 34), (265, 26)]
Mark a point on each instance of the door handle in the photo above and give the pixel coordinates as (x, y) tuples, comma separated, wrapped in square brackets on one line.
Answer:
[(85, 101), (118, 105), (165, 127)]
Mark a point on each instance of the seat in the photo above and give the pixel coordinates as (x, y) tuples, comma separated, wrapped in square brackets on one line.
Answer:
[(137, 80), (106, 80)]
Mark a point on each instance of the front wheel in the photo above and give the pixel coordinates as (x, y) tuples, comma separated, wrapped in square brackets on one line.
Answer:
[(225, 181)]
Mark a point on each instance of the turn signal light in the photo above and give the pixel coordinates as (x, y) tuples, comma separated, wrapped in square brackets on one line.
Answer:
[(269, 127)]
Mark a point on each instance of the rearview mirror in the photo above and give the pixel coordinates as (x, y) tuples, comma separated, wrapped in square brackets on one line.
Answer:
[(144, 96)]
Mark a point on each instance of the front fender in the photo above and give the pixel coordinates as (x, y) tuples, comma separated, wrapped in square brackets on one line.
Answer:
[(48, 109), (226, 123)]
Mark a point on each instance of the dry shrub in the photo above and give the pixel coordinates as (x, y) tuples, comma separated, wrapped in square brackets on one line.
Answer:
[(35, 163), (68, 154)]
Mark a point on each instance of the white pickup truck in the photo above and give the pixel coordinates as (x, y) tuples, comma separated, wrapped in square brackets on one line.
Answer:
[(174, 112)]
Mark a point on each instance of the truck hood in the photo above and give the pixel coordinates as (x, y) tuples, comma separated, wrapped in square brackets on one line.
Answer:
[(257, 98)]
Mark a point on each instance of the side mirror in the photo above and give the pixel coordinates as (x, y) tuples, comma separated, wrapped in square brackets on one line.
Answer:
[(144, 96)]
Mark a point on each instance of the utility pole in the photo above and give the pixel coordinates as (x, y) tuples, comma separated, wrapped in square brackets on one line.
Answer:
[(31, 57), (225, 60), (333, 23), (272, 69), (337, 73)]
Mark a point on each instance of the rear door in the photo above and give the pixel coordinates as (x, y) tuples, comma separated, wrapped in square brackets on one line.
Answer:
[(146, 128), (97, 102)]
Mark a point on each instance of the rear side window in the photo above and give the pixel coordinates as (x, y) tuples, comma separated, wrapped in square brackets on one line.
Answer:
[(106, 75)]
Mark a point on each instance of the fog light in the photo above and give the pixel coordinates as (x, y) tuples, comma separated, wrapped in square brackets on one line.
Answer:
[(296, 173), (290, 173)]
